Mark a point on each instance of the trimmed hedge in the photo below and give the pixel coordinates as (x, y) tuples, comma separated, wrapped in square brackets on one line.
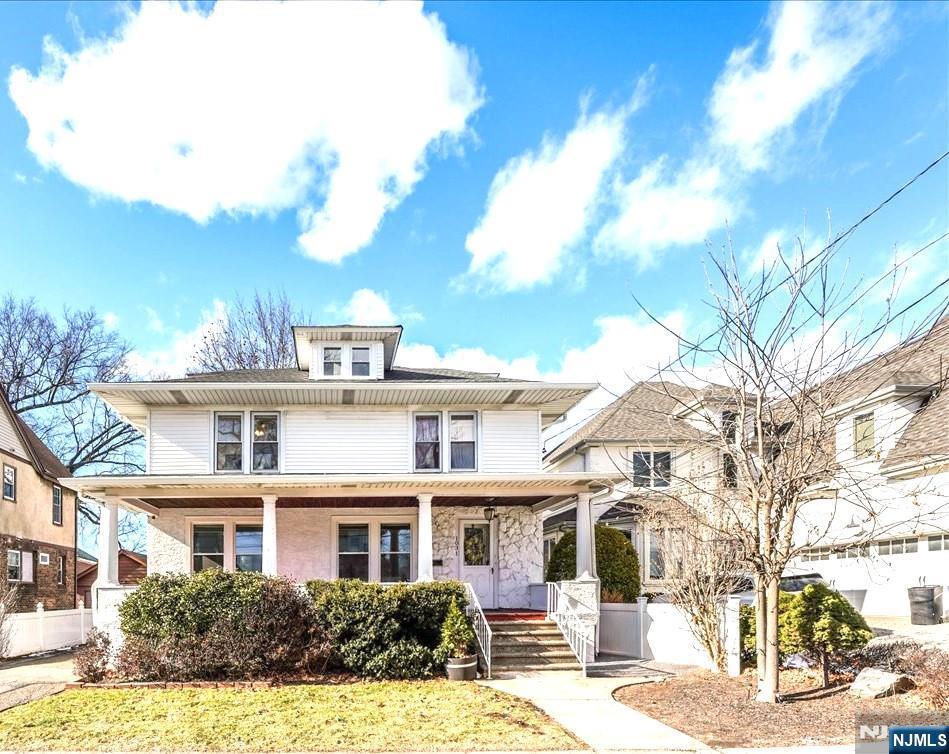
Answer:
[(617, 563), (385, 632)]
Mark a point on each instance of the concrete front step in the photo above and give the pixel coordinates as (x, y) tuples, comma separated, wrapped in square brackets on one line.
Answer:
[(529, 653), (527, 667), (525, 627), (538, 642)]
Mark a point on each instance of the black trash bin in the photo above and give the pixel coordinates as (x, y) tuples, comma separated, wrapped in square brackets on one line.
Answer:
[(922, 606)]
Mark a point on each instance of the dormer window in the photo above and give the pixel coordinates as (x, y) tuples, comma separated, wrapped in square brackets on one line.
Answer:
[(863, 441), (332, 362), (360, 362)]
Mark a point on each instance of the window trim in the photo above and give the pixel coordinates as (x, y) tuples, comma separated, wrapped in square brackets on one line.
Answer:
[(57, 488), (19, 566), (476, 430), (253, 416), (441, 442), (11, 498), (652, 469), (216, 442), (61, 570), (392, 518), (870, 452)]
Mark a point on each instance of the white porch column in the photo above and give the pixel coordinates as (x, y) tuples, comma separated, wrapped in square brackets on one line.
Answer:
[(425, 552), (269, 536), (108, 569), (586, 560)]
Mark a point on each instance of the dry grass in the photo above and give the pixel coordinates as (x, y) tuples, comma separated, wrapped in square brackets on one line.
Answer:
[(371, 716), (719, 710)]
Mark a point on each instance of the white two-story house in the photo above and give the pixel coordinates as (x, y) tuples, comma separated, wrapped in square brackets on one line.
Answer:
[(344, 466)]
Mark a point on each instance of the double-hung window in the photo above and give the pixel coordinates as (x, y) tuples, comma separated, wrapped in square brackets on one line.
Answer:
[(652, 468), (428, 446), (207, 547), (248, 547), (265, 442), (228, 442), (863, 443), (9, 482), (57, 505), (395, 552), (332, 362), (353, 551), (360, 362), (461, 434), (14, 565)]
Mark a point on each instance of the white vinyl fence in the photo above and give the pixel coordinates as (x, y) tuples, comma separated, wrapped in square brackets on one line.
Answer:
[(44, 630), (660, 631)]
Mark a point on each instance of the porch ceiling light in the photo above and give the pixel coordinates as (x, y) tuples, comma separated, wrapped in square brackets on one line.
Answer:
[(489, 513)]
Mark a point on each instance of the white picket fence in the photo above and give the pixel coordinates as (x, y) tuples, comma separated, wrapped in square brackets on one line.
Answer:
[(43, 630), (660, 631)]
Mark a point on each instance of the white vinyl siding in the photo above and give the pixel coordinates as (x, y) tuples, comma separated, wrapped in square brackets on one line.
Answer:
[(9, 439), (510, 441), (179, 442), (346, 442)]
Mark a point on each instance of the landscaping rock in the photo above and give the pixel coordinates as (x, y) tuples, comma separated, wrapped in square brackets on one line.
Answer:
[(872, 683)]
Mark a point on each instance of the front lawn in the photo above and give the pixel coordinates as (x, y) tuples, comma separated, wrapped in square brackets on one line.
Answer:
[(365, 716)]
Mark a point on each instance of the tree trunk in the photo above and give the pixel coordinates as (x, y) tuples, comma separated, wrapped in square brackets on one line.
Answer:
[(768, 688), (825, 664), (761, 607)]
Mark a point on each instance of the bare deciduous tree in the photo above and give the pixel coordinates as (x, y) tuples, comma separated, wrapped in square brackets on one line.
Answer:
[(255, 335)]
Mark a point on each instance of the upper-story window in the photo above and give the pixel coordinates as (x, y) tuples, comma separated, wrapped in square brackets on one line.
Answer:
[(332, 361), (57, 505), (652, 468), (9, 482), (360, 362), (228, 442), (863, 441), (428, 444), (729, 425), (462, 433), (265, 442)]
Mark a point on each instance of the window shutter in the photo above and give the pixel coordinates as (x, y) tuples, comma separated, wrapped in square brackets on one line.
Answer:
[(26, 564)]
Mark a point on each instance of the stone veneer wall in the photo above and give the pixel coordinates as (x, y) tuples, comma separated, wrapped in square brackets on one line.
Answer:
[(520, 556)]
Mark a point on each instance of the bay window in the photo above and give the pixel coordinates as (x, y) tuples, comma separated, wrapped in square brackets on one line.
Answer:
[(360, 362), (228, 442), (207, 547), (332, 362), (265, 442), (652, 468), (428, 442), (461, 434)]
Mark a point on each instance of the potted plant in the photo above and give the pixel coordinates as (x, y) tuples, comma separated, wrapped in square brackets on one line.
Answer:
[(457, 641)]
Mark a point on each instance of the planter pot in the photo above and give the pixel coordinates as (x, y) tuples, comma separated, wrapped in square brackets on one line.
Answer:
[(462, 668)]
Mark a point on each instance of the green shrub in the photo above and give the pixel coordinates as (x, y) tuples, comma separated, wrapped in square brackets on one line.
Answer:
[(746, 617), (822, 624), (384, 632), (457, 635), (217, 625), (617, 564)]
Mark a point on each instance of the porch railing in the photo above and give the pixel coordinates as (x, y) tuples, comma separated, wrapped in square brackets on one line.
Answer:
[(574, 626), (481, 628)]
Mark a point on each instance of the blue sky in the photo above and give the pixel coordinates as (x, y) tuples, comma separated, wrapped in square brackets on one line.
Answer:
[(498, 177)]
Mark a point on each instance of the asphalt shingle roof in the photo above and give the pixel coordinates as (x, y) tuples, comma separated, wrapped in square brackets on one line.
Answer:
[(43, 458), (292, 374)]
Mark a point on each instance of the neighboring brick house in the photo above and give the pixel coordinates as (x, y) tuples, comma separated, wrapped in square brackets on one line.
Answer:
[(133, 567), (37, 518)]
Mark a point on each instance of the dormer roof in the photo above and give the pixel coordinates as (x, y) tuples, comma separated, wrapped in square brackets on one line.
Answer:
[(305, 335)]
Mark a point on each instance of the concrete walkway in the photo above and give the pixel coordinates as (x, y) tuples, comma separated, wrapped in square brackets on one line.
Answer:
[(29, 678), (586, 707)]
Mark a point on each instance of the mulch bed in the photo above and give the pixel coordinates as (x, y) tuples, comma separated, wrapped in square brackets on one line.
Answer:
[(721, 711)]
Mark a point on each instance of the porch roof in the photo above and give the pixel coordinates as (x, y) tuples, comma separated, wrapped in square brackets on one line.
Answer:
[(152, 492)]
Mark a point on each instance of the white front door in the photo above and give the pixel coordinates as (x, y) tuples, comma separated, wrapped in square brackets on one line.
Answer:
[(477, 558)]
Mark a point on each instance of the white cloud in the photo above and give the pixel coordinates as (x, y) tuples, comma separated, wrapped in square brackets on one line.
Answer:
[(327, 108), (19, 177), (813, 51), (177, 358), (541, 203), (155, 323), (767, 253), (660, 209), (369, 307), (110, 320)]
